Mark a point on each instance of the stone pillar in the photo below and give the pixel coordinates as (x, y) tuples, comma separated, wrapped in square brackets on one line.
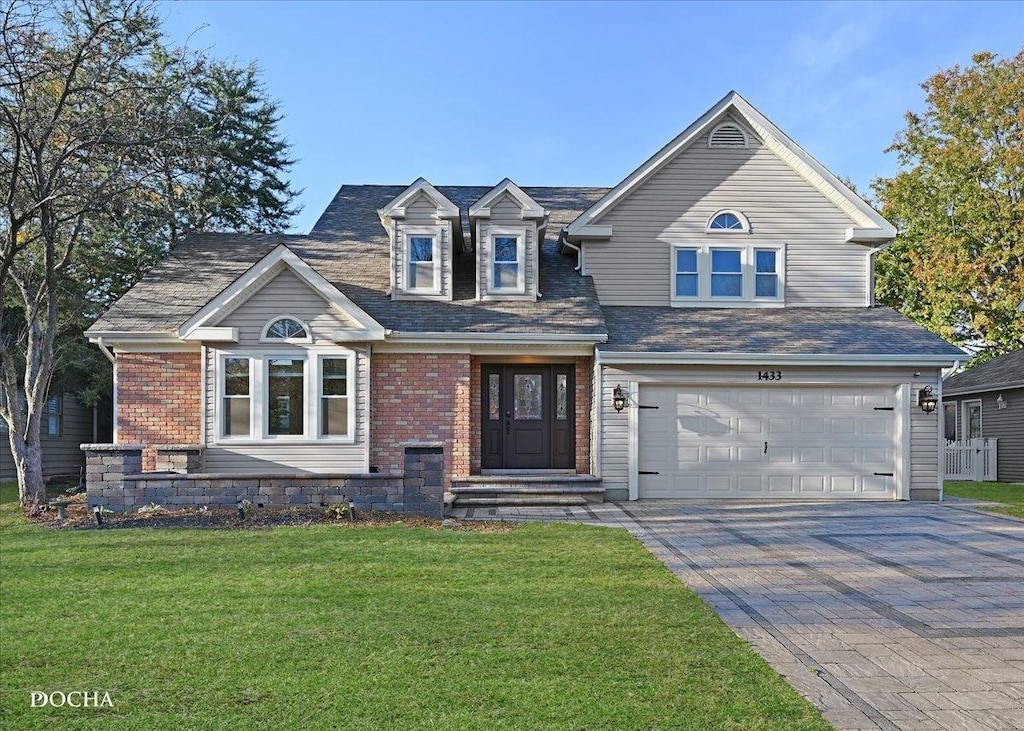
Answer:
[(423, 489), (182, 458), (105, 468)]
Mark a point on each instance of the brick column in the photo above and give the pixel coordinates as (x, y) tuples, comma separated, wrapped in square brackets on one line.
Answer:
[(105, 468), (184, 458)]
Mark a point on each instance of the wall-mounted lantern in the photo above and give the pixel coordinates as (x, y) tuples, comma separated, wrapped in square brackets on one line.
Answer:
[(1000, 402), (926, 400), (618, 399)]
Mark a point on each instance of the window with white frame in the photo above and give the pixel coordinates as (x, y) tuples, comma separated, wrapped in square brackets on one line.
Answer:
[(285, 328), (726, 221), (422, 260), (507, 270), (728, 276), (972, 419), (291, 397)]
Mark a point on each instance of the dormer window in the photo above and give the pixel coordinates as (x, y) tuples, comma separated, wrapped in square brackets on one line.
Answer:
[(507, 263), (728, 222), (285, 328), (424, 272)]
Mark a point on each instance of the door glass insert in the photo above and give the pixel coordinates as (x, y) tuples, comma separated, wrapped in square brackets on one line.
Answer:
[(527, 397), (561, 396), (493, 399), (974, 421)]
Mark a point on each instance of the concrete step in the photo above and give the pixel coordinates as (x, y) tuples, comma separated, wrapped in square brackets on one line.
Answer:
[(526, 489), (521, 501)]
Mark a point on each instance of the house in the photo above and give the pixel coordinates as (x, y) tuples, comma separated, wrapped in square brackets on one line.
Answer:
[(66, 423), (706, 328), (987, 401)]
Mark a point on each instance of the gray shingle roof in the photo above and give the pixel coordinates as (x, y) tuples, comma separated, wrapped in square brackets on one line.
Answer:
[(349, 247), (795, 330), (1002, 372)]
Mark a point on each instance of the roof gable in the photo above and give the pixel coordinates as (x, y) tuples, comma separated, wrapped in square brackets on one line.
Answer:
[(869, 226), (201, 325), (530, 207), (396, 208)]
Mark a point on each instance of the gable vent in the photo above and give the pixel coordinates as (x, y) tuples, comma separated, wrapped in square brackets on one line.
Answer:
[(727, 135)]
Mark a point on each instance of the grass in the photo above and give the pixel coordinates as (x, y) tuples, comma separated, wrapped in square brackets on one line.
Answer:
[(546, 626), (1010, 495)]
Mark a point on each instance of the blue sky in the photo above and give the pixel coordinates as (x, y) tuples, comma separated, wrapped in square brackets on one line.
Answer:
[(579, 93)]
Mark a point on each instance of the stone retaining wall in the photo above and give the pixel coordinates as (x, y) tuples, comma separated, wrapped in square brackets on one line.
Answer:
[(115, 480)]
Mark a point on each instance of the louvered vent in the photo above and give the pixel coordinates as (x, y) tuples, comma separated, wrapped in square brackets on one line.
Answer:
[(727, 135)]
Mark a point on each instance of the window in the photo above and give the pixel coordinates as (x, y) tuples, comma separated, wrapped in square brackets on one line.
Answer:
[(286, 397), (686, 273), (726, 273), (729, 221), (422, 260), (237, 408), (285, 328), (728, 276), (55, 416), (286, 384), (334, 400), (507, 269), (949, 421), (972, 419)]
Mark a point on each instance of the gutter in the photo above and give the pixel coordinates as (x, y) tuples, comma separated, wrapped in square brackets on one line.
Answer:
[(104, 349), (830, 359)]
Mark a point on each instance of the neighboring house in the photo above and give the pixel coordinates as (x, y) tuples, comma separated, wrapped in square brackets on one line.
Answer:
[(706, 328), (988, 401), (66, 424)]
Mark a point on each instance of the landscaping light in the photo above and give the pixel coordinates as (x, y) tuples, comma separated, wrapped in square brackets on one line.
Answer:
[(98, 512), (926, 400), (618, 399), (241, 510)]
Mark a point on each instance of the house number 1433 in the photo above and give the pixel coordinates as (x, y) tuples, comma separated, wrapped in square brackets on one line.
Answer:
[(769, 375)]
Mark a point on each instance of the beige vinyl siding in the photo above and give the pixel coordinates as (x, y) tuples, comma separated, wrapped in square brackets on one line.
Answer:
[(285, 294), (614, 441), (507, 213), (62, 454), (422, 212), (673, 207), (311, 456)]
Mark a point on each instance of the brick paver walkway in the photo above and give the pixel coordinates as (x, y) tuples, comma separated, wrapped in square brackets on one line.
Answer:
[(884, 615)]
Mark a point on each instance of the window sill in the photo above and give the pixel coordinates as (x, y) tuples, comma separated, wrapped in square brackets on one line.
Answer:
[(732, 302), (288, 441)]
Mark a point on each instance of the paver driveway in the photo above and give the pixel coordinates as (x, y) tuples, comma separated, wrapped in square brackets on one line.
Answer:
[(885, 615)]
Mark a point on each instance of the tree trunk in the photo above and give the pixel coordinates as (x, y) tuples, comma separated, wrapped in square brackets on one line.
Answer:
[(28, 463)]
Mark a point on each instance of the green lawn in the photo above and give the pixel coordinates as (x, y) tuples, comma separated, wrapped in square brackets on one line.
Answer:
[(1010, 495), (550, 626)]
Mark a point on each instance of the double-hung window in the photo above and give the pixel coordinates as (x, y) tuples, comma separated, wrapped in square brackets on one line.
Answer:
[(286, 397), (422, 260), (709, 275), (508, 272), (55, 416)]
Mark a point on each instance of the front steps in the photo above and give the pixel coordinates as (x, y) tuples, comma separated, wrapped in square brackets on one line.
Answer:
[(524, 490)]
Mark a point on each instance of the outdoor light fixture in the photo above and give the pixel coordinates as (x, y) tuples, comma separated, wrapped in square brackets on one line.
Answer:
[(926, 400), (241, 510), (98, 512), (618, 399), (1000, 402)]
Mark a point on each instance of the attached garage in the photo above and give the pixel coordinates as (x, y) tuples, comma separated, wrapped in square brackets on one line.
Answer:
[(766, 442)]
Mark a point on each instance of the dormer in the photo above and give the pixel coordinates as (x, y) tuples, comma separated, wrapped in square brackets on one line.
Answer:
[(421, 224), (508, 229)]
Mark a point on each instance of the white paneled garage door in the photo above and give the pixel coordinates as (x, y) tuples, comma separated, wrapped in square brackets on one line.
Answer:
[(772, 442)]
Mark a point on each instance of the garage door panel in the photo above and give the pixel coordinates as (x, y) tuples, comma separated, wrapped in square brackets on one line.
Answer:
[(823, 442)]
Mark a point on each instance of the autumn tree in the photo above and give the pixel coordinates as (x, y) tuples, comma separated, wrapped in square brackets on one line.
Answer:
[(112, 145), (958, 203)]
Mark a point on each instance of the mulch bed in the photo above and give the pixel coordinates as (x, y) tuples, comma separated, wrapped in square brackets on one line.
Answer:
[(79, 517)]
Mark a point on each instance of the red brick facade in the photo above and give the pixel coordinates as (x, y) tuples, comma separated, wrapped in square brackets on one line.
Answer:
[(159, 399), (420, 397), (584, 389)]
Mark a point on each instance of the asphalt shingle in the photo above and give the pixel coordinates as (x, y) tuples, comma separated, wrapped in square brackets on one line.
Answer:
[(1002, 372)]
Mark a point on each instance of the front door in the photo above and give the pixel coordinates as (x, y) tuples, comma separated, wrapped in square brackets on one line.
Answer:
[(527, 417)]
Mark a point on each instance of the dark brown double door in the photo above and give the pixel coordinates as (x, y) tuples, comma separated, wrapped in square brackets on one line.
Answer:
[(527, 417)]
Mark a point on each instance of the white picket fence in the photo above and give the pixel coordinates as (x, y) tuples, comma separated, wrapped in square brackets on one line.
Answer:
[(973, 459)]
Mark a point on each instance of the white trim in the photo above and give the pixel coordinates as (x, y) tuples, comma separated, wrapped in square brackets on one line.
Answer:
[(940, 462), (453, 338), (699, 358), (589, 231), (419, 232), (543, 350), (214, 334), (277, 318), (633, 438), (114, 416), (855, 235), (351, 396), (520, 236), (774, 139), (984, 389), (530, 209), (901, 438), (396, 208), (204, 374), (748, 275), (265, 269), (964, 411), (744, 222)]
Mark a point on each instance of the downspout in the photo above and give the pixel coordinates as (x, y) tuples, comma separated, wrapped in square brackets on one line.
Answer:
[(105, 350), (562, 241)]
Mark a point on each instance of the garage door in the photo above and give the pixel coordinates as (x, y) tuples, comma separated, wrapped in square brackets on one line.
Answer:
[(740, 442)]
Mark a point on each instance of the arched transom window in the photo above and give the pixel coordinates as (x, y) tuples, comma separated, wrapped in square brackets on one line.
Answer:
[(285, 328), (728, 221)]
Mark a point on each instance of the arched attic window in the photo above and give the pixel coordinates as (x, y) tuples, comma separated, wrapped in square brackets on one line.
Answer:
[(285, 328), (727, 134), (728, 222)]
